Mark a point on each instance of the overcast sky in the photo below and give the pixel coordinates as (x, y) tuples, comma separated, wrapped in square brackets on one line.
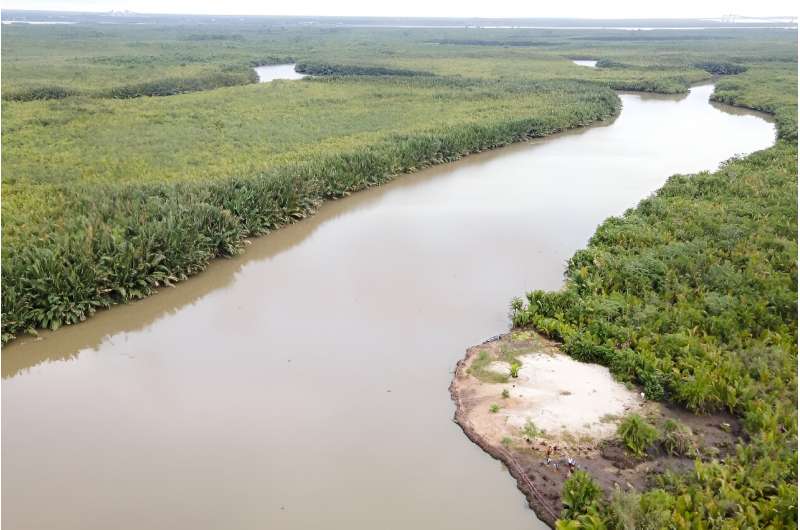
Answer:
[(432, 8)]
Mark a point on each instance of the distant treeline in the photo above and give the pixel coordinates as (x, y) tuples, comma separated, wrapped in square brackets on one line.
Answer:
[(176, 85), (171, 87), (641, 36), (322, 69), (721, 68), (712, 67), (159, 87), (478, 42)]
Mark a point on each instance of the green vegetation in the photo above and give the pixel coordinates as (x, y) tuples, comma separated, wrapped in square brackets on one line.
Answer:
[(351, 69), (94, 59), (693, 295), (494, 407), (637, 434), (530, 430), (109, 193), (129, 193), (507, 353), (677, 439), (580, 492), (628, 509), (480, 369), (143, 192), (506, 394), (771, 88)]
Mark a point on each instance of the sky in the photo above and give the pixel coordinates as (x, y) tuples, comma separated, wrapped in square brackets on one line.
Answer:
[(433, 8)]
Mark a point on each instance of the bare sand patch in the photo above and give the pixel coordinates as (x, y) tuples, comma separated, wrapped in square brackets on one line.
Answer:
[(500, 367), (566, 399), (563, 396), (558, 410)]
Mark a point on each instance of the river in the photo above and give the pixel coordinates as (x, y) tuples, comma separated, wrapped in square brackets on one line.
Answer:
[(305, 383)]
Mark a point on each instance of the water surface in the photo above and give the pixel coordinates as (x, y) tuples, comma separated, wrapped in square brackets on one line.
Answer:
[(590, 64), (304, 384), (271, 72)]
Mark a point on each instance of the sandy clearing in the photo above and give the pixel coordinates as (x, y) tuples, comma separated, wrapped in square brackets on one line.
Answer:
[(579, 406), (569, 400), (559, 394)]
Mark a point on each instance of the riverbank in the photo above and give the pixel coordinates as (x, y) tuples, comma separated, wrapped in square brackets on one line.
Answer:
[(130, 195), (693, 296), (73, 248), (557, 410)]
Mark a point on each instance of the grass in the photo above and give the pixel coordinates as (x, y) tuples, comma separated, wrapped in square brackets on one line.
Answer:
[(480, 369), (530, 430)]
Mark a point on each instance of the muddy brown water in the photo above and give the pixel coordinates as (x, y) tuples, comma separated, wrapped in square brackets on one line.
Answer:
[(305, 383)]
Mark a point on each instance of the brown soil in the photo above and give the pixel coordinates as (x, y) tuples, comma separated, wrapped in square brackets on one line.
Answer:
[(476, 389)]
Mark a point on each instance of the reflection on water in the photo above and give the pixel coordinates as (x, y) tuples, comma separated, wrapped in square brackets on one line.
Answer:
[(304, 384)]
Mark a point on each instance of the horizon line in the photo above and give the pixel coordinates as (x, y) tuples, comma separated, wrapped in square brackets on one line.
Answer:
[(717, 18)]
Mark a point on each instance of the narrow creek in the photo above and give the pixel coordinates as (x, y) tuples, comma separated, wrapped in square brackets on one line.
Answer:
[(305, 383)]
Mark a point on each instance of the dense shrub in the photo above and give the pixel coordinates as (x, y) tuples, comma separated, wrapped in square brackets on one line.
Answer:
[(693, 294), (42, 92), (721, 68), (579, 494), (610, 63), (677, 439), (322, 69), (173, 86), (637, 434), (480, 42)]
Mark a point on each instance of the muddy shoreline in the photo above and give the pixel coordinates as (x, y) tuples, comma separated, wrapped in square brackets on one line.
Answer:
[(538, 476), (546, 505)]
